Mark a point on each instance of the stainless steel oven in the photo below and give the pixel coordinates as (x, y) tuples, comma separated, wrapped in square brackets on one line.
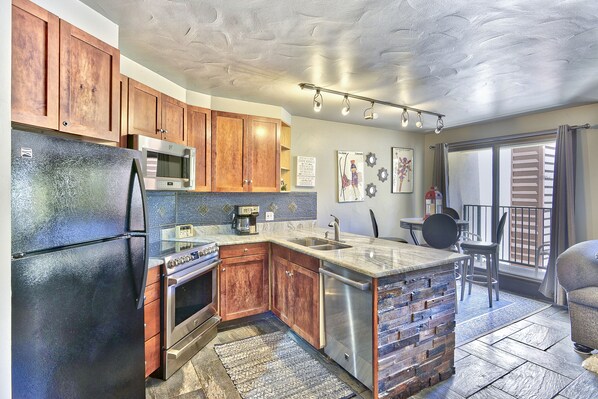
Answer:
[(166, 165), (190, 307)]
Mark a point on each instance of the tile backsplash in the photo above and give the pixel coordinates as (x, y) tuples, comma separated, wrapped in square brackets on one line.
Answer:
[(168, 208)]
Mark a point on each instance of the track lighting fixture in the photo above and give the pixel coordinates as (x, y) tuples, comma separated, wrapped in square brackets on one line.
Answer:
[(346, 106), (439, 125), (318, 101), (369, 113), (405, 118), (419, 124)]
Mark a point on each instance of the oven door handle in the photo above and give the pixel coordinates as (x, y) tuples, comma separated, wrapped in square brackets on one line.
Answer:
[(181, 280)]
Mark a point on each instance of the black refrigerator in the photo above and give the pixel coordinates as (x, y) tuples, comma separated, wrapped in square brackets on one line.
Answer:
[(79, 264)]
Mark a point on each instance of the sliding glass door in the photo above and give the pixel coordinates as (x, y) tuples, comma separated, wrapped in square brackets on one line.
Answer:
[(487, 180)]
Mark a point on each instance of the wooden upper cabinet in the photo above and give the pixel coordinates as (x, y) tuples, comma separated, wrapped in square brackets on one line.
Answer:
[(89, 85), (245, 153), (35, 53), (124, 109), (174, 120), (199, 128), (229, 164), (144, 108), (265, 154)]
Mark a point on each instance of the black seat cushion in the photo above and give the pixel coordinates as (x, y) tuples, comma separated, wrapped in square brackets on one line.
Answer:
[(477, 245)]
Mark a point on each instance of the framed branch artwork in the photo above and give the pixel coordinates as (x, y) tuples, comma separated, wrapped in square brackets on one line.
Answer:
[(350, 176), (402, 170)]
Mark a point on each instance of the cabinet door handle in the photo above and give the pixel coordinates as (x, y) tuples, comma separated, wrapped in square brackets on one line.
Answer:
[(245, 181), (245, 250), (165, 131), (224, 269), (65, 123), (250, 181)]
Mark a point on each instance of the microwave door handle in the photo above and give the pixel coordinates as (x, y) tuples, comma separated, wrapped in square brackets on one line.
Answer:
[(190, 155), (190, 276)]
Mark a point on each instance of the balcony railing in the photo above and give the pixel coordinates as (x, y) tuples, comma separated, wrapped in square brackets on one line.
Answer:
[(526, 235)]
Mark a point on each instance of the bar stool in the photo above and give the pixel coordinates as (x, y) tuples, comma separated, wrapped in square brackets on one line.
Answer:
[(490, 251), (375, 228), (441, 232)]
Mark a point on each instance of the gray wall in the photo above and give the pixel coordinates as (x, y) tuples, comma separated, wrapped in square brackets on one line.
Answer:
[(321, 139), (168, 208)]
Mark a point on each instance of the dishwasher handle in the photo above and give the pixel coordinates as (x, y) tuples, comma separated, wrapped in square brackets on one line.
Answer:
[(360, 285)]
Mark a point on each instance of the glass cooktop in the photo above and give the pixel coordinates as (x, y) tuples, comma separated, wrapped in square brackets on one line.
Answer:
[(162, 249)]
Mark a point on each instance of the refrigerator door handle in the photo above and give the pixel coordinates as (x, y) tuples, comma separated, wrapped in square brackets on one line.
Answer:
[(137, 170)]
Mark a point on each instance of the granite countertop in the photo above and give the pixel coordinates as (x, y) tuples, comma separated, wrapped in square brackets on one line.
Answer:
[(370, 256)]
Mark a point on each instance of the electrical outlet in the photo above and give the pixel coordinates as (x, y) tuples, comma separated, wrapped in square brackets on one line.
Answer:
[(269, 216)]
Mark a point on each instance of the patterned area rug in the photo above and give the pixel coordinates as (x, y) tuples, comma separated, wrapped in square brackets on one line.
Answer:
[(475, 318), (274, 366)]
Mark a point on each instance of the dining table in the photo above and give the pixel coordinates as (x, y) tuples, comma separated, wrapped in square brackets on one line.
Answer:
[(416, 224)]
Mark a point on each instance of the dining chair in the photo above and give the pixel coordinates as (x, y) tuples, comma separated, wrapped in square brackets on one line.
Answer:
[(441, 232), (451, 212), (490, 251), (375, 228)]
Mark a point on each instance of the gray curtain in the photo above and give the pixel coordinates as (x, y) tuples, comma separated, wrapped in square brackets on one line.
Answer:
[(441, 176), (562, 219)]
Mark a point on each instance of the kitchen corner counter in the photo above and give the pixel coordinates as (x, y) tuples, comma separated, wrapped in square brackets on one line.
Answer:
[(154, 262), (370, 256)]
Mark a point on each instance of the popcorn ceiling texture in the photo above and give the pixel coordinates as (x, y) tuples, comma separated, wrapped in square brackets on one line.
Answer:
[(471, 60)]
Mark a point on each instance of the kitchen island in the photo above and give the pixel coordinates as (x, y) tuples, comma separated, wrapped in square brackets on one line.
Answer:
[(413, 302)]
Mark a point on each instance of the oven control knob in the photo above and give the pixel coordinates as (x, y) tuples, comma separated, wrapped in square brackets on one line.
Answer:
[(177, 261), (170, 264), (188, 258)]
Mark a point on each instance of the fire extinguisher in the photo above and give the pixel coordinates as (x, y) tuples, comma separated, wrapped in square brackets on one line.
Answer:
[(433, 202)]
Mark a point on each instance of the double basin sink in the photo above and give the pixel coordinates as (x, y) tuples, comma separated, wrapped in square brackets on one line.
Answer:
[(320, 244)]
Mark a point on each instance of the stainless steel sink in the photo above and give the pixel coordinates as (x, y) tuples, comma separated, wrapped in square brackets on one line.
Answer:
[(309, 241), (320, 244), (330, 247)]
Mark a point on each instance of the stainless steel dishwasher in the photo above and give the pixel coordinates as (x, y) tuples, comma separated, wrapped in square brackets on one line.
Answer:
[(348, 320)]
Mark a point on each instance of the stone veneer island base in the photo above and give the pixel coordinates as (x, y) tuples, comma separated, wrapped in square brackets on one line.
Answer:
[(414, 343)]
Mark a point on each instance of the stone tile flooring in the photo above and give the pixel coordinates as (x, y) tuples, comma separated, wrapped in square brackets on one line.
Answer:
[(529, 359)]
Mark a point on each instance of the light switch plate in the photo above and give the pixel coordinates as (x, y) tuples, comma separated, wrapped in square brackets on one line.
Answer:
[(269, 216)]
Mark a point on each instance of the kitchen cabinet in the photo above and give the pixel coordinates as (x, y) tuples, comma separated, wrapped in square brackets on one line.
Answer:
[(285, 157), (199, 129), (245, 153), (154, 114), (296, 292), (243, 277), (62, 77), (124, 109), (152, 320)]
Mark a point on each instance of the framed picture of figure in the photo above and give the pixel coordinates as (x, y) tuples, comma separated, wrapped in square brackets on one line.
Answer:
[(402, 170), (350, 176)]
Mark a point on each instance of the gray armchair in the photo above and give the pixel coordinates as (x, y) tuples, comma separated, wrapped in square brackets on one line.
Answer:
[(577, 270)]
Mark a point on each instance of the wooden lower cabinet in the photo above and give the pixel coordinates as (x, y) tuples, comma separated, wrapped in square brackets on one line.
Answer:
[(296, 293), (152, 321), (243, 282)]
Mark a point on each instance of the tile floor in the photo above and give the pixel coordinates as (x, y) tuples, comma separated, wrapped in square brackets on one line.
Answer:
[(529, 359)]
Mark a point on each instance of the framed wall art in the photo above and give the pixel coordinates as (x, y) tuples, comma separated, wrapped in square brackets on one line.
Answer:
[(350, 176), (402, 170)]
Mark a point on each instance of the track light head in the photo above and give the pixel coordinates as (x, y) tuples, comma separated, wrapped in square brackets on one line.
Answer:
[(346, 106), (420, 123), (439, 125), (318, 101), (405, 118), (369, 113)]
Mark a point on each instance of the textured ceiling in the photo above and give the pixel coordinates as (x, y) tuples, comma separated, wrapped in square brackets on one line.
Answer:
[(470, 60)]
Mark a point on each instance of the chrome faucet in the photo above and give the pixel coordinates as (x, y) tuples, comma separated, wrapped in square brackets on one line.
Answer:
[(337, 228)]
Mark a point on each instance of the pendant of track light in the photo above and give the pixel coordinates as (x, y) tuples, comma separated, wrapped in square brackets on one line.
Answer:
[(420, 123), (439, 125), (369, 113), (405, 118), (346, 106), (318, 101)]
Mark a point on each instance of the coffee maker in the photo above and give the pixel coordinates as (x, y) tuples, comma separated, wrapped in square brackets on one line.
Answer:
[(245, 219)]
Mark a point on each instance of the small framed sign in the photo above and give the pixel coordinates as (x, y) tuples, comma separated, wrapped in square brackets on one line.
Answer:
[(402, 170)]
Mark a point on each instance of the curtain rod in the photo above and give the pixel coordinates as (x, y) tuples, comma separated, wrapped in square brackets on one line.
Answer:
[(514, 136)]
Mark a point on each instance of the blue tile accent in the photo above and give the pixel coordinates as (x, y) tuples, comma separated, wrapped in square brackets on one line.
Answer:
[(167, 208), (161, 208)]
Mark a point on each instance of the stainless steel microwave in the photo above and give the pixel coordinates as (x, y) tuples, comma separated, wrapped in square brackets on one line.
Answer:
[(166, 165)]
